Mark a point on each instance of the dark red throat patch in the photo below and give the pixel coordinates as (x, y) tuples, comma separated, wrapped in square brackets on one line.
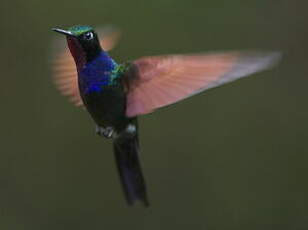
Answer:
[(76, 51)]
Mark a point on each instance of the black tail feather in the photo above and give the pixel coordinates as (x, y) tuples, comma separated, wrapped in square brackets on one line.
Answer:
[(126, 149)]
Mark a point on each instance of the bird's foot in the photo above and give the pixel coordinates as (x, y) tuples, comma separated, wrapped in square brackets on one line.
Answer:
[(107, 132)]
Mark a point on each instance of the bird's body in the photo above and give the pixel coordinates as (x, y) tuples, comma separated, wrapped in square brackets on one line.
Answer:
[(115, 94), (102, 93), (100, 86)]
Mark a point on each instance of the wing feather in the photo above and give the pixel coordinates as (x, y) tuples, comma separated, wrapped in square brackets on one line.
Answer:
[(163, 80)]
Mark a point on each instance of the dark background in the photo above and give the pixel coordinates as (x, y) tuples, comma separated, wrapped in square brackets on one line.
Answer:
[(234, 157)]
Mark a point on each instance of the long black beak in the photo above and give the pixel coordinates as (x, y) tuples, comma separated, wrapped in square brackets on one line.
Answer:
[(66, 32)]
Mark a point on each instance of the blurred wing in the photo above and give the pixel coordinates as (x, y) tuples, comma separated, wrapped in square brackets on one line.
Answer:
[(163, 80), (110, 36), (65, 73)]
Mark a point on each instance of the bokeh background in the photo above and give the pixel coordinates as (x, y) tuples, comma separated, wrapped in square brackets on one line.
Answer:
[(234, 157)]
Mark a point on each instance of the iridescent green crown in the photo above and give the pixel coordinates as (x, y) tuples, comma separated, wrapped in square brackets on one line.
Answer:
[(78, 30)]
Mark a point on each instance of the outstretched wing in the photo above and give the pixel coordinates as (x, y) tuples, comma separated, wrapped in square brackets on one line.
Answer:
[(163, 80), (65, 74)]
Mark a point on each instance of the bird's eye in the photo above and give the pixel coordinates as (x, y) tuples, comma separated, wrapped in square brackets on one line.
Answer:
[(88, 35)]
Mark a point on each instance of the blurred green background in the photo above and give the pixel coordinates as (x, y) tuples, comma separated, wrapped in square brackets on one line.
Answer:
[(234, 157)]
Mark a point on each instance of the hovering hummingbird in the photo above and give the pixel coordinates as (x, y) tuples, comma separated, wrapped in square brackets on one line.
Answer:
[(116, 94)]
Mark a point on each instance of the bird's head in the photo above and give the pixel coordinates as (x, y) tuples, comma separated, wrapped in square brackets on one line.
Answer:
[(82, 42)]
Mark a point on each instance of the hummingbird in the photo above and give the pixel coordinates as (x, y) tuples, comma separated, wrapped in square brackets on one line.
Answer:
[(115, 94)]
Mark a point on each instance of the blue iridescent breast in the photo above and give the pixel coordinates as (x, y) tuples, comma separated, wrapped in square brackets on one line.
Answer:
[(96, 74)]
